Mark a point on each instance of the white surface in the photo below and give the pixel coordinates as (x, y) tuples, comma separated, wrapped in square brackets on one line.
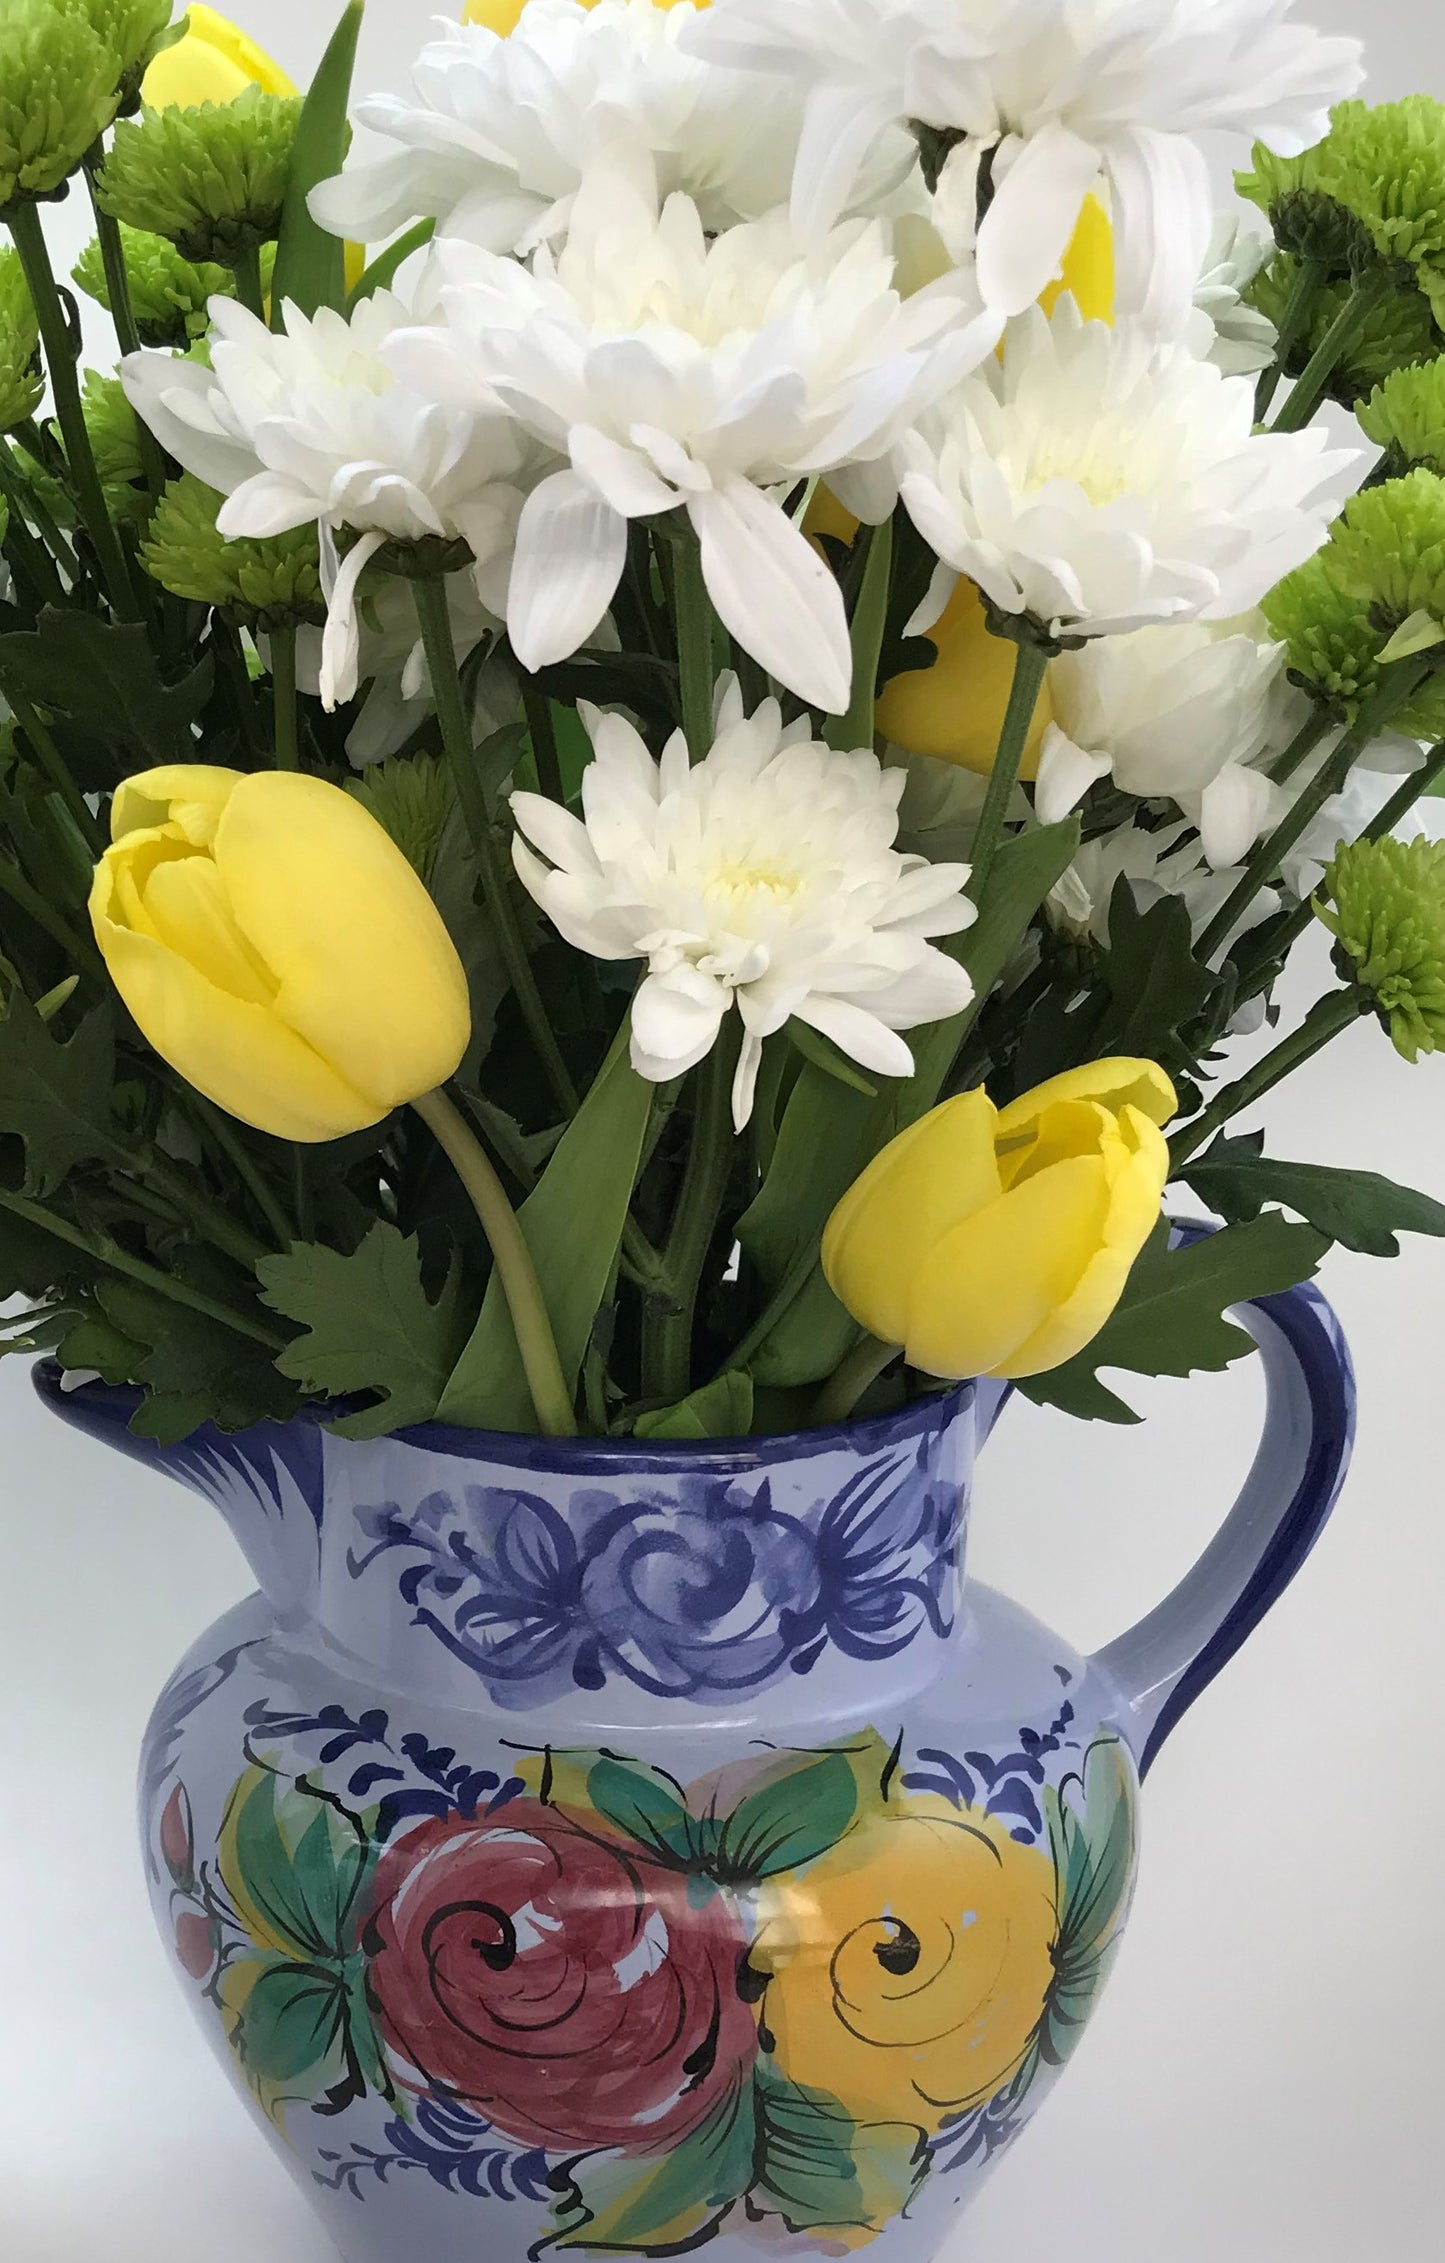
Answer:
[(1264, 2081)]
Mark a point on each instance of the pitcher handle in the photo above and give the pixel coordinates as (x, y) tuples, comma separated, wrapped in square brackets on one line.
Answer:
[(1169, 1659)]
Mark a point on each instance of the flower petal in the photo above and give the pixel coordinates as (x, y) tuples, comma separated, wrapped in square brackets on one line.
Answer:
[(571, 549), (774, 593)]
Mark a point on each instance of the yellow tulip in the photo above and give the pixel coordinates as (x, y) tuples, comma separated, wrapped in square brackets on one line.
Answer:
[(274, 945), (908, 1968), (991, 1242), (1088, 269), (955, 709), (213, 62)]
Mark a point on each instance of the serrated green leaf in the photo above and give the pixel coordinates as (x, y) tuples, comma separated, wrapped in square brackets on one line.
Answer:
[(821, 2171), (57, 1096), (194, 1370), (666, 2203), (103, 676), (95, 1342), (573, 1223), (310, 266), (721, 1409), (369, 1326), (1170, 1319), (1358, 1209), (1155, 985)]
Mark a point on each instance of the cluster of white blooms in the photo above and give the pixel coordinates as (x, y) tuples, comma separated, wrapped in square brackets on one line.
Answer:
[(690, 261)]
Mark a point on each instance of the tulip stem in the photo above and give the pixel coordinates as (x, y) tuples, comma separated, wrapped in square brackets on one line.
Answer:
[(104, 1251), (667, 1328), (1031, 664), (283, 687), (851, 1378), (61, 349), (436, 627), (1337, 1011), (513, 1260)]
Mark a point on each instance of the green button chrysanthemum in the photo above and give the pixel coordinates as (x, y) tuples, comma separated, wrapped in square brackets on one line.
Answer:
[(168, 294), (212, 180), (137, 30), (1388, 918), (270, 584), (115, 443), (1383, 566), (1385, 165), (22, 384), (411, 797), (59, 87), (1398, 332), (1406, 417)]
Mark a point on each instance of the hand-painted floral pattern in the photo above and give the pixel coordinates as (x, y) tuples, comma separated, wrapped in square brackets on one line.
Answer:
[(777, 1999)]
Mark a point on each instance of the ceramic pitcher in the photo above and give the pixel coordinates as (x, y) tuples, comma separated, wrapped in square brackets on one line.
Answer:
[(628, 1848)]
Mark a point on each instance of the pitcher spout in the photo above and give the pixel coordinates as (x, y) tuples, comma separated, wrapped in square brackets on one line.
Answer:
[(266, 1481)]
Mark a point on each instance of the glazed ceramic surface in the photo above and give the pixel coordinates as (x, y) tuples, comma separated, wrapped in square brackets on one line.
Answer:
[(623, 1849)]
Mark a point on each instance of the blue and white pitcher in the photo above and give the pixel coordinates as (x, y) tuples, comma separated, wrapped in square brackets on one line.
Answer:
[(625, 1848)]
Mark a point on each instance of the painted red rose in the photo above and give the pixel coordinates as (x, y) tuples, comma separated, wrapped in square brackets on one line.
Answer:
[(566, 1986)]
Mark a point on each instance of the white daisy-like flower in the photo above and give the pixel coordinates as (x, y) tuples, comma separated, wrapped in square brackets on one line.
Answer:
[(764, 877), (1099, 481), (496, 133), (313, 424), (1223, 327), (1175, 714), (675, 371), (1161, 861), (1050, 94)]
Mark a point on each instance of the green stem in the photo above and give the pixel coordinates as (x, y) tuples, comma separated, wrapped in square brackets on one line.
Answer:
[(246, 268), (233, 1148), (29, 553), (1338, 1010), (122, 314), (231, 662), (215, 1223), (1314, 727), (1397, 685), (25, 227), (19, 488), (692, 622), (436, 628), (382, 271), (283, 688), (76, 946), (851, 1378), (1293, 324), (53, 763), (667, 1330), (103, 1251), (1347, 327), (1031, 664), (513, 1259), (855, 728), (537, 708)]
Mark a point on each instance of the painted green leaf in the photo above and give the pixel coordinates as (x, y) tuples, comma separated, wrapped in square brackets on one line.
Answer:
[(573, 1224), (1091, 1821), (820, 2170), (56, 1096), (1358, 1209), (310, 263), (294, 1867), (291, 2024), (1170, 1319), (369, 1326), (791, 1820), (616, 2205), (644, 1804), (720, 1409)]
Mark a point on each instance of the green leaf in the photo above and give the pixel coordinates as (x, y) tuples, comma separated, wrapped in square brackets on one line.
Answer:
[(663, 2204), (57, 1097), (194, 1369), (721, 1409), (573, 1225), (294, 1866), (644, 1805), (95, 1342), (454, 886), (820, 2170), (1094, 1862), (103, 675), (824, 1055), (291, 2023), (310, 265), (370, 1326), (791, 1820), (1358, 1209), (1155, 984), (1170, 1319)]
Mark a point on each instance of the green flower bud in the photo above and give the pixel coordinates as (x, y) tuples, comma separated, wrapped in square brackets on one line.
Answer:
[(1388, 917), (168, 295), (1383, 566), (211, 180), (1314, 226), (1385, 165), (1399, 331), (1406, 417), (22, 382), (59, 87), (137, 30), (411, 797), (270, 584), (115, 443)]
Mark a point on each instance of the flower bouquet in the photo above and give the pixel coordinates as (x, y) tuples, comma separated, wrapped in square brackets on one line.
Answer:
[(650, 808)]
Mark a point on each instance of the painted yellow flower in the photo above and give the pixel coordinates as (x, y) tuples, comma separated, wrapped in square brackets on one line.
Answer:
[(214, 62), (909, 1968)]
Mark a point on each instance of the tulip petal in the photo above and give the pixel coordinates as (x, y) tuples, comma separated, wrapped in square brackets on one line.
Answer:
[(1115, 1083), (988, 1287), (366, 971), (1135, 1197), (190, 795), (925, 1183)]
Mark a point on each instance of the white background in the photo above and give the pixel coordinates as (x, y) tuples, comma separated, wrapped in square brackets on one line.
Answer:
[(1264, 2081)]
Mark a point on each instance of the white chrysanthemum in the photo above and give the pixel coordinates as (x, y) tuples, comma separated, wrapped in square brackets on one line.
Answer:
[(675, 371), (1099, 481), (497, 133), (765, 878), (1223, 327), (1051, 93), (1175, 714), (1165, 861), (313, 424)]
